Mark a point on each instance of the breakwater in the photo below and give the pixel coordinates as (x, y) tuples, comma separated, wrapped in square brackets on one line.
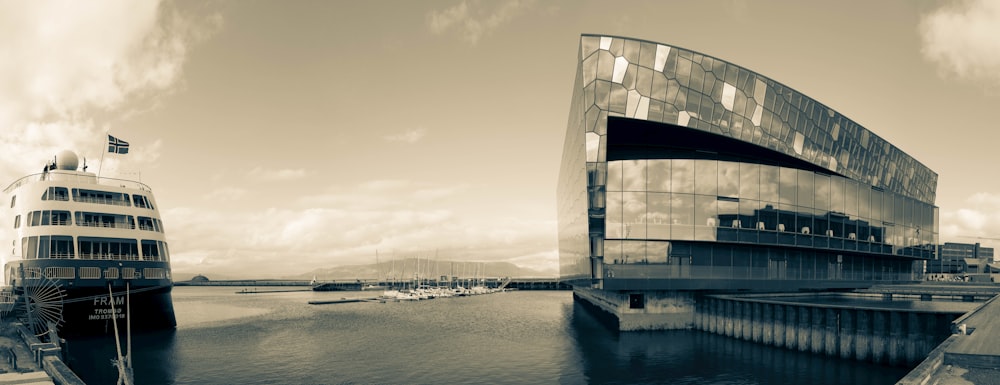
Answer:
[(897, 336)]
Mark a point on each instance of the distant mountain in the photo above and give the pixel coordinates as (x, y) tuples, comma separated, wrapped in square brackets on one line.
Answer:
[(405, 269), (179, 277)]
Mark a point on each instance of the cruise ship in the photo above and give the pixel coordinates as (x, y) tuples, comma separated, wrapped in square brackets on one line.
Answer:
[(81, 243)]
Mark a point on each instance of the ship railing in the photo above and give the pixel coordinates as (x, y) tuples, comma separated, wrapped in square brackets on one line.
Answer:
[(105, 256), (114, 225), (61, 255), (79, 178), (103, 201)]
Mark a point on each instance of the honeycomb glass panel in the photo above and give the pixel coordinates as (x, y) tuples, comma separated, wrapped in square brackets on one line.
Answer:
[(662, 52), (605, 65), (683, 72), (647, 54), (602, 94), (619, 99), (589, 69), (593, 143), (621, 65)]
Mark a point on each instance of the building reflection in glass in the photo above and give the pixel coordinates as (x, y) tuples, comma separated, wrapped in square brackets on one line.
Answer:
[(678, 165)]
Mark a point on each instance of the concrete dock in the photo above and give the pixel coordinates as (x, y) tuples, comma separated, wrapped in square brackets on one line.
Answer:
[(970, 355), (26, 360)]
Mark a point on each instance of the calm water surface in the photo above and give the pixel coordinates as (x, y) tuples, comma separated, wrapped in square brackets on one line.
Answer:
[(538, 337)]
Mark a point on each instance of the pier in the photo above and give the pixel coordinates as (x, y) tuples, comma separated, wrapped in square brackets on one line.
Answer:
[(27, 360), (970, 353), (933, 335), (878, 334)]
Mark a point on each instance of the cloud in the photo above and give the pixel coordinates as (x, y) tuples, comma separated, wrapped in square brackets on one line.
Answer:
[(410, 136), (265, 175), (979, 218), (226, 194), (345, 228), (961, 38), (472, 21), (72, 69)]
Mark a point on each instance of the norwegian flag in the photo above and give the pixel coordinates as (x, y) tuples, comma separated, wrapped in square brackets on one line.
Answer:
[(117, 146)]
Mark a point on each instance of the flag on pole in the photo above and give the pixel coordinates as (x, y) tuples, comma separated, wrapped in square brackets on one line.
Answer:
[(117, 146)]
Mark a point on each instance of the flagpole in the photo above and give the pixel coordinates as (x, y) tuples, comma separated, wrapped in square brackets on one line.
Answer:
[(103, 151)]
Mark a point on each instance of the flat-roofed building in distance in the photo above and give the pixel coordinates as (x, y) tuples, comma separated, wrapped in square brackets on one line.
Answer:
[(962, 258), (683, 174)]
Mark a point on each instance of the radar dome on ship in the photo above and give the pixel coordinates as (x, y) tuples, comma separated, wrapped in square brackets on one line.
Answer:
[(67, 160)]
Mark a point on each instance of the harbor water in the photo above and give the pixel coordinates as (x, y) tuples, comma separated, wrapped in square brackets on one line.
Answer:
[(520, 337)]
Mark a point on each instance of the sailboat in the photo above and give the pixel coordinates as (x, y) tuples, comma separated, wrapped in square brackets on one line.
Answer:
[(378, 281)]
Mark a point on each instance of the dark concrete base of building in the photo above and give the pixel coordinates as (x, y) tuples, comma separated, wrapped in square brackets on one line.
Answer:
[(889, 336), (640, 310)]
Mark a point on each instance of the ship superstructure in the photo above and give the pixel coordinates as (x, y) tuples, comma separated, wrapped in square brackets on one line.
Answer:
[(77, 235)]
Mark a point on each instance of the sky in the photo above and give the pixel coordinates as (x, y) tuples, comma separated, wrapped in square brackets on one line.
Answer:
[(284, 136)]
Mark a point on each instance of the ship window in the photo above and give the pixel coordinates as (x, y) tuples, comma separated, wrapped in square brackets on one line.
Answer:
[(154, 250), (13, 200), (60, 246), (108, 248), (56, 194), (142, 201), (55, 246), (17, 221), (165, 255), (46, 218), (101, 197), (149, 224), (29, 247), (115, 221)]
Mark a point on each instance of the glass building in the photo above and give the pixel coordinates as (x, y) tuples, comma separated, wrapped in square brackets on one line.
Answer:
[(681, 171)]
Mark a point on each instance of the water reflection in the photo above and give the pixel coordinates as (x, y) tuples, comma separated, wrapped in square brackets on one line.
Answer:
[(154, 358), (694, 357)]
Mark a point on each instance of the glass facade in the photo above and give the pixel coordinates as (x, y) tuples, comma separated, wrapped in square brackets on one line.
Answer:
[(730, 175)]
